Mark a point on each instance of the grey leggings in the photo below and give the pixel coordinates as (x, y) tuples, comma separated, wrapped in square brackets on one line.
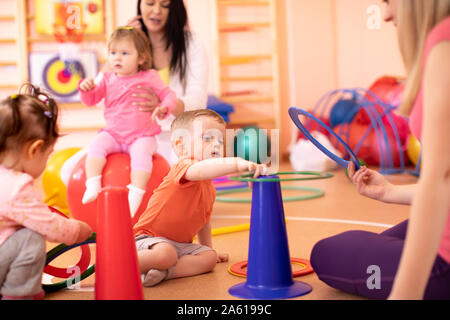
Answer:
[(22, 259)]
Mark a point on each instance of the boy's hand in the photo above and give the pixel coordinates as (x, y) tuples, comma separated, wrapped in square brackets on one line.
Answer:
[(222, 257), (87, 84), (159, 112), (258, 169)]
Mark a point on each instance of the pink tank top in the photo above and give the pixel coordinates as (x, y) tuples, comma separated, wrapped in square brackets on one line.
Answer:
[(440, 33)]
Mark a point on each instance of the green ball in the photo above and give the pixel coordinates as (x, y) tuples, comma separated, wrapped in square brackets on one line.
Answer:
[(252, 143), (361, 163)]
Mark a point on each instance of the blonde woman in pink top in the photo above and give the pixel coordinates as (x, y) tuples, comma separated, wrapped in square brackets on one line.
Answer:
[(28, 132), (412, 259), (128, 129)]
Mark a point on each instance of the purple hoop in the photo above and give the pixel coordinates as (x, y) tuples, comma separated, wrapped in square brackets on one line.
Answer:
[(295, 112)]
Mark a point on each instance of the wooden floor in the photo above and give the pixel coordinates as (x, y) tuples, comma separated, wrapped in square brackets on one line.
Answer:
[(339, 210)]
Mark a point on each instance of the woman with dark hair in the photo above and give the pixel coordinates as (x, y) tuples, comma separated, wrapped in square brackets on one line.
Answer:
[(179, 57)]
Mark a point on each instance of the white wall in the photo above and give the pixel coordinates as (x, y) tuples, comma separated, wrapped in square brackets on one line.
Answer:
[(202, 22), (364, 53), (125, 10), (330, 45), (311, 48)]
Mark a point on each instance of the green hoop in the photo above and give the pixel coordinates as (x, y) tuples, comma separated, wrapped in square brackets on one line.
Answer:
[(315, 175), (69, 282), (317, 193), (57, 251)]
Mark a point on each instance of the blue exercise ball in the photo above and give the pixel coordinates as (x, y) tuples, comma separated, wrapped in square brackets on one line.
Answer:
[(343, 112)]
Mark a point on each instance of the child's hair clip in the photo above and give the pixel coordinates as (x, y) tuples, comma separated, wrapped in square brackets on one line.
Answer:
[(44, 100), (126, 28), (48, 114), (14, 96)]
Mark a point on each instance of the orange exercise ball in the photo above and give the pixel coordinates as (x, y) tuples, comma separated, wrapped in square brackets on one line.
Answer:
[(116, 173)]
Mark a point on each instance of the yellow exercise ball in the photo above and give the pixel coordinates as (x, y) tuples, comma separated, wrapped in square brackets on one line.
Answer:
[(413, 149), (54, 189)]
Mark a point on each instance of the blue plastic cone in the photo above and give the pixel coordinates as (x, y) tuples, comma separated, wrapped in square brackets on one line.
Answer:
[(269, 272)]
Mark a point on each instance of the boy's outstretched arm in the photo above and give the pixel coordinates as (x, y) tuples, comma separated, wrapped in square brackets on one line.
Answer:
[(218, 167)]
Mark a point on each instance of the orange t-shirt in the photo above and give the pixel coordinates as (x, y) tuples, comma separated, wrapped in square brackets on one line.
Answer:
[(178, 208)]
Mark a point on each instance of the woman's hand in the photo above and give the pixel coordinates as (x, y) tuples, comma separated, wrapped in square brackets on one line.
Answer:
[(368, 182), (146, 99), (135, 22)]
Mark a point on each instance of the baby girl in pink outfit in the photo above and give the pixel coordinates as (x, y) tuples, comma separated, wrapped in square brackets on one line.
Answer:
[(28, 132), (127, 128)]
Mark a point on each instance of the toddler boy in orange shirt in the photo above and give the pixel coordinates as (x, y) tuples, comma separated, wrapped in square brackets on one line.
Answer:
[(181, 206)]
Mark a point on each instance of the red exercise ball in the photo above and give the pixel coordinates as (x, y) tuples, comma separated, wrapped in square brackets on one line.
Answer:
[(369, 149), (116, 173), (351, 134), (389, 90)]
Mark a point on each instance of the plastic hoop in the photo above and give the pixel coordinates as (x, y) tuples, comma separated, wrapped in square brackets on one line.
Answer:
[(57, 251), (316, 175), (82, 264), (221, 183), (69, 282), (237, 269), (317, 193), (233, 187), (220, 180), (295, 112)]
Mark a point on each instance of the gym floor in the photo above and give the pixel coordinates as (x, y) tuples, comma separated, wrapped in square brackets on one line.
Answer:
[(340, 209)]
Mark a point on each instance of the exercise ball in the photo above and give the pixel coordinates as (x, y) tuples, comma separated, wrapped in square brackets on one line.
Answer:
[(252, 143), (413, 149), (370, 145), (115, 173), (343, 111), (54, 189)]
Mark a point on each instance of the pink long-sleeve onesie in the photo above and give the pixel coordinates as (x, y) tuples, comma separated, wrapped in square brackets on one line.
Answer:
[(21, 206), (128, 129), (124, 121)]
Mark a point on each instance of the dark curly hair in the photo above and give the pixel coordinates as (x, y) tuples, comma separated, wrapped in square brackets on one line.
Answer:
[(177, 35)]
